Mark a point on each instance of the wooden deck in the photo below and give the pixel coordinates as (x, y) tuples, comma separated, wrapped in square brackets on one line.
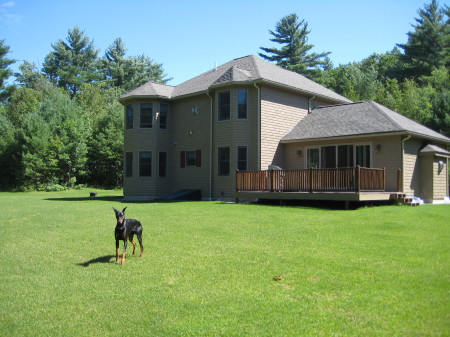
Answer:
[(341, 184)]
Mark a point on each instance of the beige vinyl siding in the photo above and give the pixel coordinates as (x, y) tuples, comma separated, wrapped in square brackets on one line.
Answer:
[(233, 133), (426, 176), (280, 112), (411, 167), (154, 140), (440, 189), (191, 132)]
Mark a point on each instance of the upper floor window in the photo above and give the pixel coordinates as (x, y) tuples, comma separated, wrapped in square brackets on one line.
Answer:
[(163, 110), (146, 115), (129, 117), (224, 105), (242, 104)]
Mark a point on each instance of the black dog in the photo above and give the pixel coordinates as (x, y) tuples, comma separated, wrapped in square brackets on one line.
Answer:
[(125, 230)]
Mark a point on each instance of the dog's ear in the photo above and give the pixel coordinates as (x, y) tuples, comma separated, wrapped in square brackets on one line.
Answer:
[(123, 211), (115, 210)]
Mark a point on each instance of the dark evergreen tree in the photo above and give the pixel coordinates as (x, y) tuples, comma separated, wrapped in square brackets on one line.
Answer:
[(128, 73), (428, 46), (73, 62), (295, 54), (5, 71)]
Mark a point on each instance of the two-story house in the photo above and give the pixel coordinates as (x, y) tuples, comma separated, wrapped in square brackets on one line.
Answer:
[(248, 114)]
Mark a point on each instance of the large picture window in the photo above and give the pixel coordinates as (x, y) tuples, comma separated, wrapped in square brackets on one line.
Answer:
[(146, 115), (313, 158), (340, 156), (224, 105), (362, 155)]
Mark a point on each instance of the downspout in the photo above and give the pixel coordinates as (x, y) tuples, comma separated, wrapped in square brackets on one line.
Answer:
[(210, 147), (259, 125), (403, 161), (310, 103)]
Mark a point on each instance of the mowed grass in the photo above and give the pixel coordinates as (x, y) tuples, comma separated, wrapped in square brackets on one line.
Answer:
[(209, 269)]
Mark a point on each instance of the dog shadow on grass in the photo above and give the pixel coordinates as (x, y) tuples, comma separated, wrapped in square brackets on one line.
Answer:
[(101, 259)]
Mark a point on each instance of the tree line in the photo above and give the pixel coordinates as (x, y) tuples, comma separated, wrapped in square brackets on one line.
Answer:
[(62, 125), (412, 79)]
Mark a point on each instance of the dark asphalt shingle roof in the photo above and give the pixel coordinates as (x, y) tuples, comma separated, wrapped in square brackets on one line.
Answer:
[(435, 149), (245, 69), (354, 119)]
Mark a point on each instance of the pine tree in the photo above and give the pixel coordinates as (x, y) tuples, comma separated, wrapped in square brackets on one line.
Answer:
[(295, 54), (5, 72), (73, 62), (428, 46)]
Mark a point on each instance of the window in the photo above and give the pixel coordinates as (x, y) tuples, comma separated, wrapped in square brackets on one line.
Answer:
[(191, 158), (145, 164), (162, 164), (129, 117), (362, 155), (129, 164), (328, 157), (313, 158), (146, 115), (163, 110), (345, 156), (242, 104), (223, 161), (242, 158), (340, 156), (224, 105)]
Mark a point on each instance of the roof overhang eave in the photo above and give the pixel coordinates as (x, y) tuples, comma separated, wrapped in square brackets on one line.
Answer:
[(133, 97), (363, 135), (307, 92)]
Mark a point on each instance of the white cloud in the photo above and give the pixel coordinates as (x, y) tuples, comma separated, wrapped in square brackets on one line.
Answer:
[(8, 4)]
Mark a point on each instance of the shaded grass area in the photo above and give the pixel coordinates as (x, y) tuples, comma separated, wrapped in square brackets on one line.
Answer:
[(209, 269)]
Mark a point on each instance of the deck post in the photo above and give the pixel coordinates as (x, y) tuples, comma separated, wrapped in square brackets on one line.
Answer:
[(310, 180), (357, 179), (271, 180)]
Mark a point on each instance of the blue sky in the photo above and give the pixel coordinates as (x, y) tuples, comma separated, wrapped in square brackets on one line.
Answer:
[(190, 36)]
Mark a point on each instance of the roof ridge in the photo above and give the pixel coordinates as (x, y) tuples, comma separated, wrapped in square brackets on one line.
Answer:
[(253, 58), (375, 105)]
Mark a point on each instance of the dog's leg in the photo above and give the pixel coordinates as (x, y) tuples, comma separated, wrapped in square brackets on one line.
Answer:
[(117, 251), (134, 244), (139, 236), (124, 253)]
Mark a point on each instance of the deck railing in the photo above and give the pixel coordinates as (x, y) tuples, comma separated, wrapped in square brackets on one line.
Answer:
[(355, 179)]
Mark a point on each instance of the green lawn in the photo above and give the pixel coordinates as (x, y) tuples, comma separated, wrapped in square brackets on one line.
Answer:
[(209, 269)]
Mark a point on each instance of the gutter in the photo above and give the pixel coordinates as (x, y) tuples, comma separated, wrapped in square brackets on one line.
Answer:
[(210, 147), (258, 125)]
